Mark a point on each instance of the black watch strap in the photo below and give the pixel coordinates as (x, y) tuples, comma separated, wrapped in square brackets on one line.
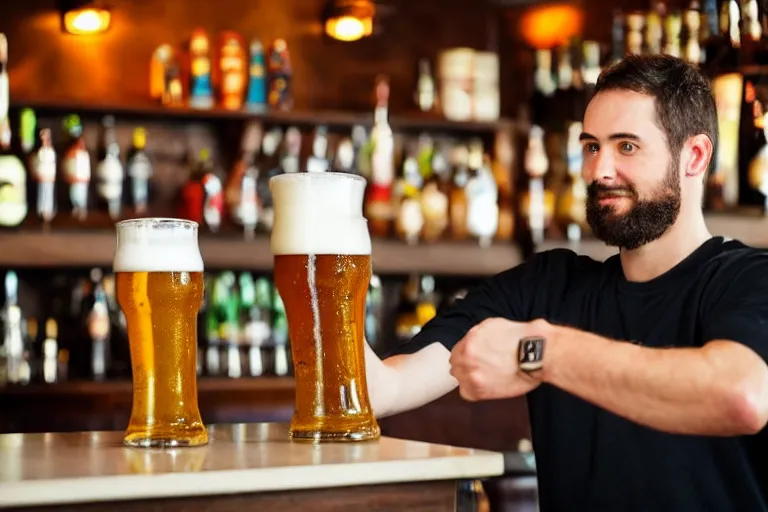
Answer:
[(530, 353)]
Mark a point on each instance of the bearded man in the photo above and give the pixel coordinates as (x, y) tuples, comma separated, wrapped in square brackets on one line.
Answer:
[(645, 374)]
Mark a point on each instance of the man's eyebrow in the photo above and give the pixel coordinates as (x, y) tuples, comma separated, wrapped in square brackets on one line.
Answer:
[(613, 136)]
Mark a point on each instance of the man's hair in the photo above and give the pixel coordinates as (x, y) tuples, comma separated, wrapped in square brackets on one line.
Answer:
[(685, 105)]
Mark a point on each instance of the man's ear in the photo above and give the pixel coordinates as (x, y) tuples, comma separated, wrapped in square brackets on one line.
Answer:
[(697, 153)]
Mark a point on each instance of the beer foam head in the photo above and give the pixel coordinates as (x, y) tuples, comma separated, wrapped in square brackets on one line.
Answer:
[(157, 245), (319, 213)]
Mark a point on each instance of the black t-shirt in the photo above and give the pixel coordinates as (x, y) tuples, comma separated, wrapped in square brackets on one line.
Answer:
[(589, 459)]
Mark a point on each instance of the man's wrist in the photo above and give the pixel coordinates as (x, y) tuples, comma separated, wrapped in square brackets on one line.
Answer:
[(553, 353)]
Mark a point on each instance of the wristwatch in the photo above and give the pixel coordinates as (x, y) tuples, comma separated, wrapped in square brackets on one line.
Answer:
[(530, 353)]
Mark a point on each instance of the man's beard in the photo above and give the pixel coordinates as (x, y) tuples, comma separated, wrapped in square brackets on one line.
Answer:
[(645, 221)]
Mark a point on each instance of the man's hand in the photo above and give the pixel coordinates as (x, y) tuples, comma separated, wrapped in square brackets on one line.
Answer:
[(484, 362)]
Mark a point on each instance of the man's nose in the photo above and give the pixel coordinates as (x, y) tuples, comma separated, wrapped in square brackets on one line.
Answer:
[(599, 168)]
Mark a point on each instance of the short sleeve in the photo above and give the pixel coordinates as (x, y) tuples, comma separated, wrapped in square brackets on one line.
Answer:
[(738, 307), (505, 295)]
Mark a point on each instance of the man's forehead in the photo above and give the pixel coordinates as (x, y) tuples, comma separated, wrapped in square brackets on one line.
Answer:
[(620, 111)]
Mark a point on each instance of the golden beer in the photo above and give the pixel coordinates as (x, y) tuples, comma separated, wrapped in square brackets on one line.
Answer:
[(322, 254), (160, 290)]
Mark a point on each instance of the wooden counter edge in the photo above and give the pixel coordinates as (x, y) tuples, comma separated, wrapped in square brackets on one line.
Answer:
[(480, 464)]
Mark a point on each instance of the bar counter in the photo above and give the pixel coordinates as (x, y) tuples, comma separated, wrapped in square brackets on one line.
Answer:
[(244, 466)]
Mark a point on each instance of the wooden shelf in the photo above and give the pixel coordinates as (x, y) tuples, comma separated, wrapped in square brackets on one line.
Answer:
[(144, 109), (749, 228), (81, 249), (115, 387)]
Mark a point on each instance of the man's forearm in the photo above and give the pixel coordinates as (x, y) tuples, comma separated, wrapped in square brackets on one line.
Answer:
[(708, 391), (404, 382)]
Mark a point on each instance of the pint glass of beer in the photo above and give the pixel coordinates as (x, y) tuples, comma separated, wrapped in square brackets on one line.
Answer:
[(322, 253), (160, 290)]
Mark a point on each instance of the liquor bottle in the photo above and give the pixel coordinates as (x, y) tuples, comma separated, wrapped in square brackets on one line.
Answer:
[(724, 180), (229, 328), (50, 364), (692, 19), (166, 82), (232, 69), (379, 200), (407, 322), (425, 89), (318, 160), (259, 330), (140, 171), (213, 202), (280, 73), (635, 24), (617, 36), (13, 176), (269, 166), (109, 171), (654, 33), (482, 202), (722, 48), (538, 202), (730, 23), (201, 87), (257, 79), (345, 156), (13, 338), (5, 122), (98, 325), (192, 193), (45, 174), (212, 340), (673, 25), (362, 149), (435, 193), (564, 67), (76, 164), (240, 189), (13, 189), (590, 68), (543, 75), (409, 219), (426, 303), (458, 197), (502, 171), (572, 205), (751, 31), (544, 86), (710, 28), (247, 319), (27, 130)]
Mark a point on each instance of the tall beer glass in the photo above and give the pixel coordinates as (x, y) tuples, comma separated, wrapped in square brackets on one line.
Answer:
[(322, 254), (160, 290)]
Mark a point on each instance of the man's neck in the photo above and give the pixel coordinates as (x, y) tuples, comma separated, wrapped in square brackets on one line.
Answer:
[(661, 255)]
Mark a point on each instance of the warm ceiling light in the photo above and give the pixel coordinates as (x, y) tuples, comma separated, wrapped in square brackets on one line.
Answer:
[(551, 25), (349, 20), (83, 17)]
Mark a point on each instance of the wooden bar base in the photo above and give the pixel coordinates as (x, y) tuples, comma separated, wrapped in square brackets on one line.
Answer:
[(437, 496)]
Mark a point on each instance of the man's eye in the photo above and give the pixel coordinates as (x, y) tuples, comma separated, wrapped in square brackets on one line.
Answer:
[(591, 148), (627, 147)]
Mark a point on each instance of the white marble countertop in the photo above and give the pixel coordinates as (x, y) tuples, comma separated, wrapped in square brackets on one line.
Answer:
[(55, 468)]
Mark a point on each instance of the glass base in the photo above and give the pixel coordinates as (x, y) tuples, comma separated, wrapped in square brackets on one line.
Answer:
[(324, 434), (149, 439)]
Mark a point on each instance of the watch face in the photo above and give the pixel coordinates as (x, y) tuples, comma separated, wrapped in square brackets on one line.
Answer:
[(531, 353)]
